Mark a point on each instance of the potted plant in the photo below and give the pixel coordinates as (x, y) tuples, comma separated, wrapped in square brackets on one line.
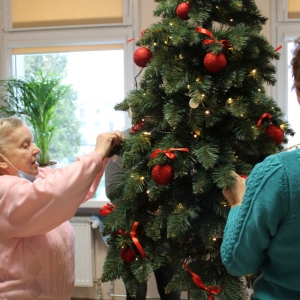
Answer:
[(37, 99)]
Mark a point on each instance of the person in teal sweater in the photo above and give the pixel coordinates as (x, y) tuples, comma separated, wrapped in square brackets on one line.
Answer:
[(262, 232)]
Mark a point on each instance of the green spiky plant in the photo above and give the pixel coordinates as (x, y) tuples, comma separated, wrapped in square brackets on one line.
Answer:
[(36, 99)]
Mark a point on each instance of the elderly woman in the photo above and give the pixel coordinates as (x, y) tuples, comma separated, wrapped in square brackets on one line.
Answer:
[(36, 240)]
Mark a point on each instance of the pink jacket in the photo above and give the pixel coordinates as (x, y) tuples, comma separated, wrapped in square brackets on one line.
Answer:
[(36, 239)]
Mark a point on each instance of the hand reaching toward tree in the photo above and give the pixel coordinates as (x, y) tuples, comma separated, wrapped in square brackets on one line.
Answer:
[(235, 194), (106, 141)]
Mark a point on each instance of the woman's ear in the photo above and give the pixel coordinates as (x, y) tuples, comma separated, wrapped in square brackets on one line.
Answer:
[(3, 165)]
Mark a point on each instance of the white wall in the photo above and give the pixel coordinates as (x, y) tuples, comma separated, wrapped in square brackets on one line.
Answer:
[(265, 8), (146, 18)]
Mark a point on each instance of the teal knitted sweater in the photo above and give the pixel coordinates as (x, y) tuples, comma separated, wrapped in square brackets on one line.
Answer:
[(264, 232)]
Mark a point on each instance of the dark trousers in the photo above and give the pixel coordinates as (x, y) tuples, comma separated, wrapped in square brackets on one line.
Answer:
[(162, 276)]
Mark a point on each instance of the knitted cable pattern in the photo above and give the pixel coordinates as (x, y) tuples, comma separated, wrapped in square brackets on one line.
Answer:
[(234, 228)]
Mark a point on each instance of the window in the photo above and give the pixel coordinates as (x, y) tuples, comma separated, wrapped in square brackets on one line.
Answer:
[(293, 9), (96, 77), (98, 63), (36, 14), (287, 10), (286, 23)]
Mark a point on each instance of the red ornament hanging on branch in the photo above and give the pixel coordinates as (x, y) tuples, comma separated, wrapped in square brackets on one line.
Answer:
[(106, 209), (214, 63), (128, 254), (274, 132), (182, 11), (142, 56), (136, 127), (164, 174)]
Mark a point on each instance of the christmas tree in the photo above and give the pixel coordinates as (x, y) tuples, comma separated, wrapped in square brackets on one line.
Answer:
[(199, 112)]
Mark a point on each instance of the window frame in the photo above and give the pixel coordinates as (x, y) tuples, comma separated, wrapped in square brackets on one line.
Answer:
[(70, 37)]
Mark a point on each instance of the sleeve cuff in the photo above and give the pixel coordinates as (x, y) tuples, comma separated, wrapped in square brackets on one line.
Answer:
[(234, 212), (97, 159)]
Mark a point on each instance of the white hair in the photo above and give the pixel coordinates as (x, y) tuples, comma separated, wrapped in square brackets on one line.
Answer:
[(7, 127)]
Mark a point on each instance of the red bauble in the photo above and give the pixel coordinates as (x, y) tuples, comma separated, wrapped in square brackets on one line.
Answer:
[(214, 63), (182, 11), (142, 56), (128, 254), (275, 133), (136, 127), (162, 174)]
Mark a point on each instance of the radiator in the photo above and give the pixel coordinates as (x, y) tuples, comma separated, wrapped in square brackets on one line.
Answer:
[(84, 250)]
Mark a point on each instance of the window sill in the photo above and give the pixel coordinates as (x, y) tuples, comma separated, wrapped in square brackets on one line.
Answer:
[(91, 206), (94, 203)]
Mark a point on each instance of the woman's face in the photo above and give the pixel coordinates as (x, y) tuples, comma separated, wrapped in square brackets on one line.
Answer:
[(22, 152)]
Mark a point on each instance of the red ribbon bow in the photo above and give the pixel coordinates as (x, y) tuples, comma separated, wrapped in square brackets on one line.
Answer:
[(106, 209), (266, 115), (133, 236), (224, 43), (211, 290), (168, 152)]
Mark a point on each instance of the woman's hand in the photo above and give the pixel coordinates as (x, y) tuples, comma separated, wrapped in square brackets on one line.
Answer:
[(235, 195), (106, 141)]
